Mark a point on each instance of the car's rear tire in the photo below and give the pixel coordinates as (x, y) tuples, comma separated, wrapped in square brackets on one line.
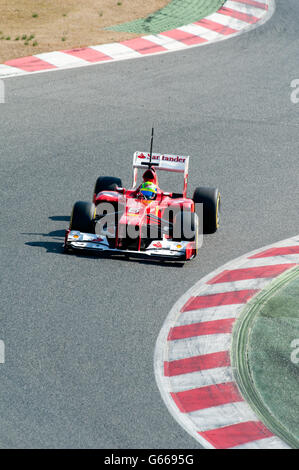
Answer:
[(107, 183), (210, 198), (83, 217)]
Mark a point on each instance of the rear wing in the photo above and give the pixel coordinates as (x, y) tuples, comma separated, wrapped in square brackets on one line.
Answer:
[(164, 162)]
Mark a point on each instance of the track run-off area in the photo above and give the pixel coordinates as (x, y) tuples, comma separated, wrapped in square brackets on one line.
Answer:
[(80, 332)]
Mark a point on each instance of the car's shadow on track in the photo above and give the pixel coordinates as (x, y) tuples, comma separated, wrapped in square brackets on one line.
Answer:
[(51, 246), (58, 235), (63, 218), (160, 263), (57, 248)]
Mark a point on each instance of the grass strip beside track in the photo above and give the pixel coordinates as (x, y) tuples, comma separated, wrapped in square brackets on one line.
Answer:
[(261, 356), (177, 13)]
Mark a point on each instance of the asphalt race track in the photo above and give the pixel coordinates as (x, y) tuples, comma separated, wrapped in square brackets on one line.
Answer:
[(79, 331)]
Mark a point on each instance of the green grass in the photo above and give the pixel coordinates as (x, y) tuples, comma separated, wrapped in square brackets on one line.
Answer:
[(264, 340), (176, 13)]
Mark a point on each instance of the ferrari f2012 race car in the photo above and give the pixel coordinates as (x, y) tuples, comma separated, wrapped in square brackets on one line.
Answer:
[(144, 221)]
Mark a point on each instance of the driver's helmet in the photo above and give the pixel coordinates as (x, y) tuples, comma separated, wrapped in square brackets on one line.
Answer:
[(148, 190), (150, 175)]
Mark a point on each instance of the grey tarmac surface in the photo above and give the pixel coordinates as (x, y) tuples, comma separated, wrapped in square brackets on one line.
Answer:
[(80, 332)]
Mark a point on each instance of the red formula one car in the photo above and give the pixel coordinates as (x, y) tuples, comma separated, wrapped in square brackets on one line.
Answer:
[(144, 221)]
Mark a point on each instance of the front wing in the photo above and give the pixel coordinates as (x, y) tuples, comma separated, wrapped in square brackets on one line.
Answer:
[(162, 249)]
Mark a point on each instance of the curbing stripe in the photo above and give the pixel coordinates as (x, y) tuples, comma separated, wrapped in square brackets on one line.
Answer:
[(201, 329), (193, 364), (220, 416), (254, 3), (217, 27), (190, 347), (9, 71), (204, 377), (268, 443), (206, 397), (235, 23), (216, 313), (88, 54), (213, 300), (281, 251), (238, 15), (198, 31), (251, 273), (246, 8), (60, 59), (144, 46), (184, 37), (30, 64), (166, 42), (240, 433), (192, 372), (117, 51), (232, 19)]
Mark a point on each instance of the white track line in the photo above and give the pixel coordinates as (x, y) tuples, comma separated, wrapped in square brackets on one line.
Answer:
[(204, 33), (117, 51), (60, 59), (243, 8), (164, 41), (233, 23), (8, 71)]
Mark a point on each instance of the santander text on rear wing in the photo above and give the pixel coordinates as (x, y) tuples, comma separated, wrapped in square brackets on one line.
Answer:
[(174, 163)]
